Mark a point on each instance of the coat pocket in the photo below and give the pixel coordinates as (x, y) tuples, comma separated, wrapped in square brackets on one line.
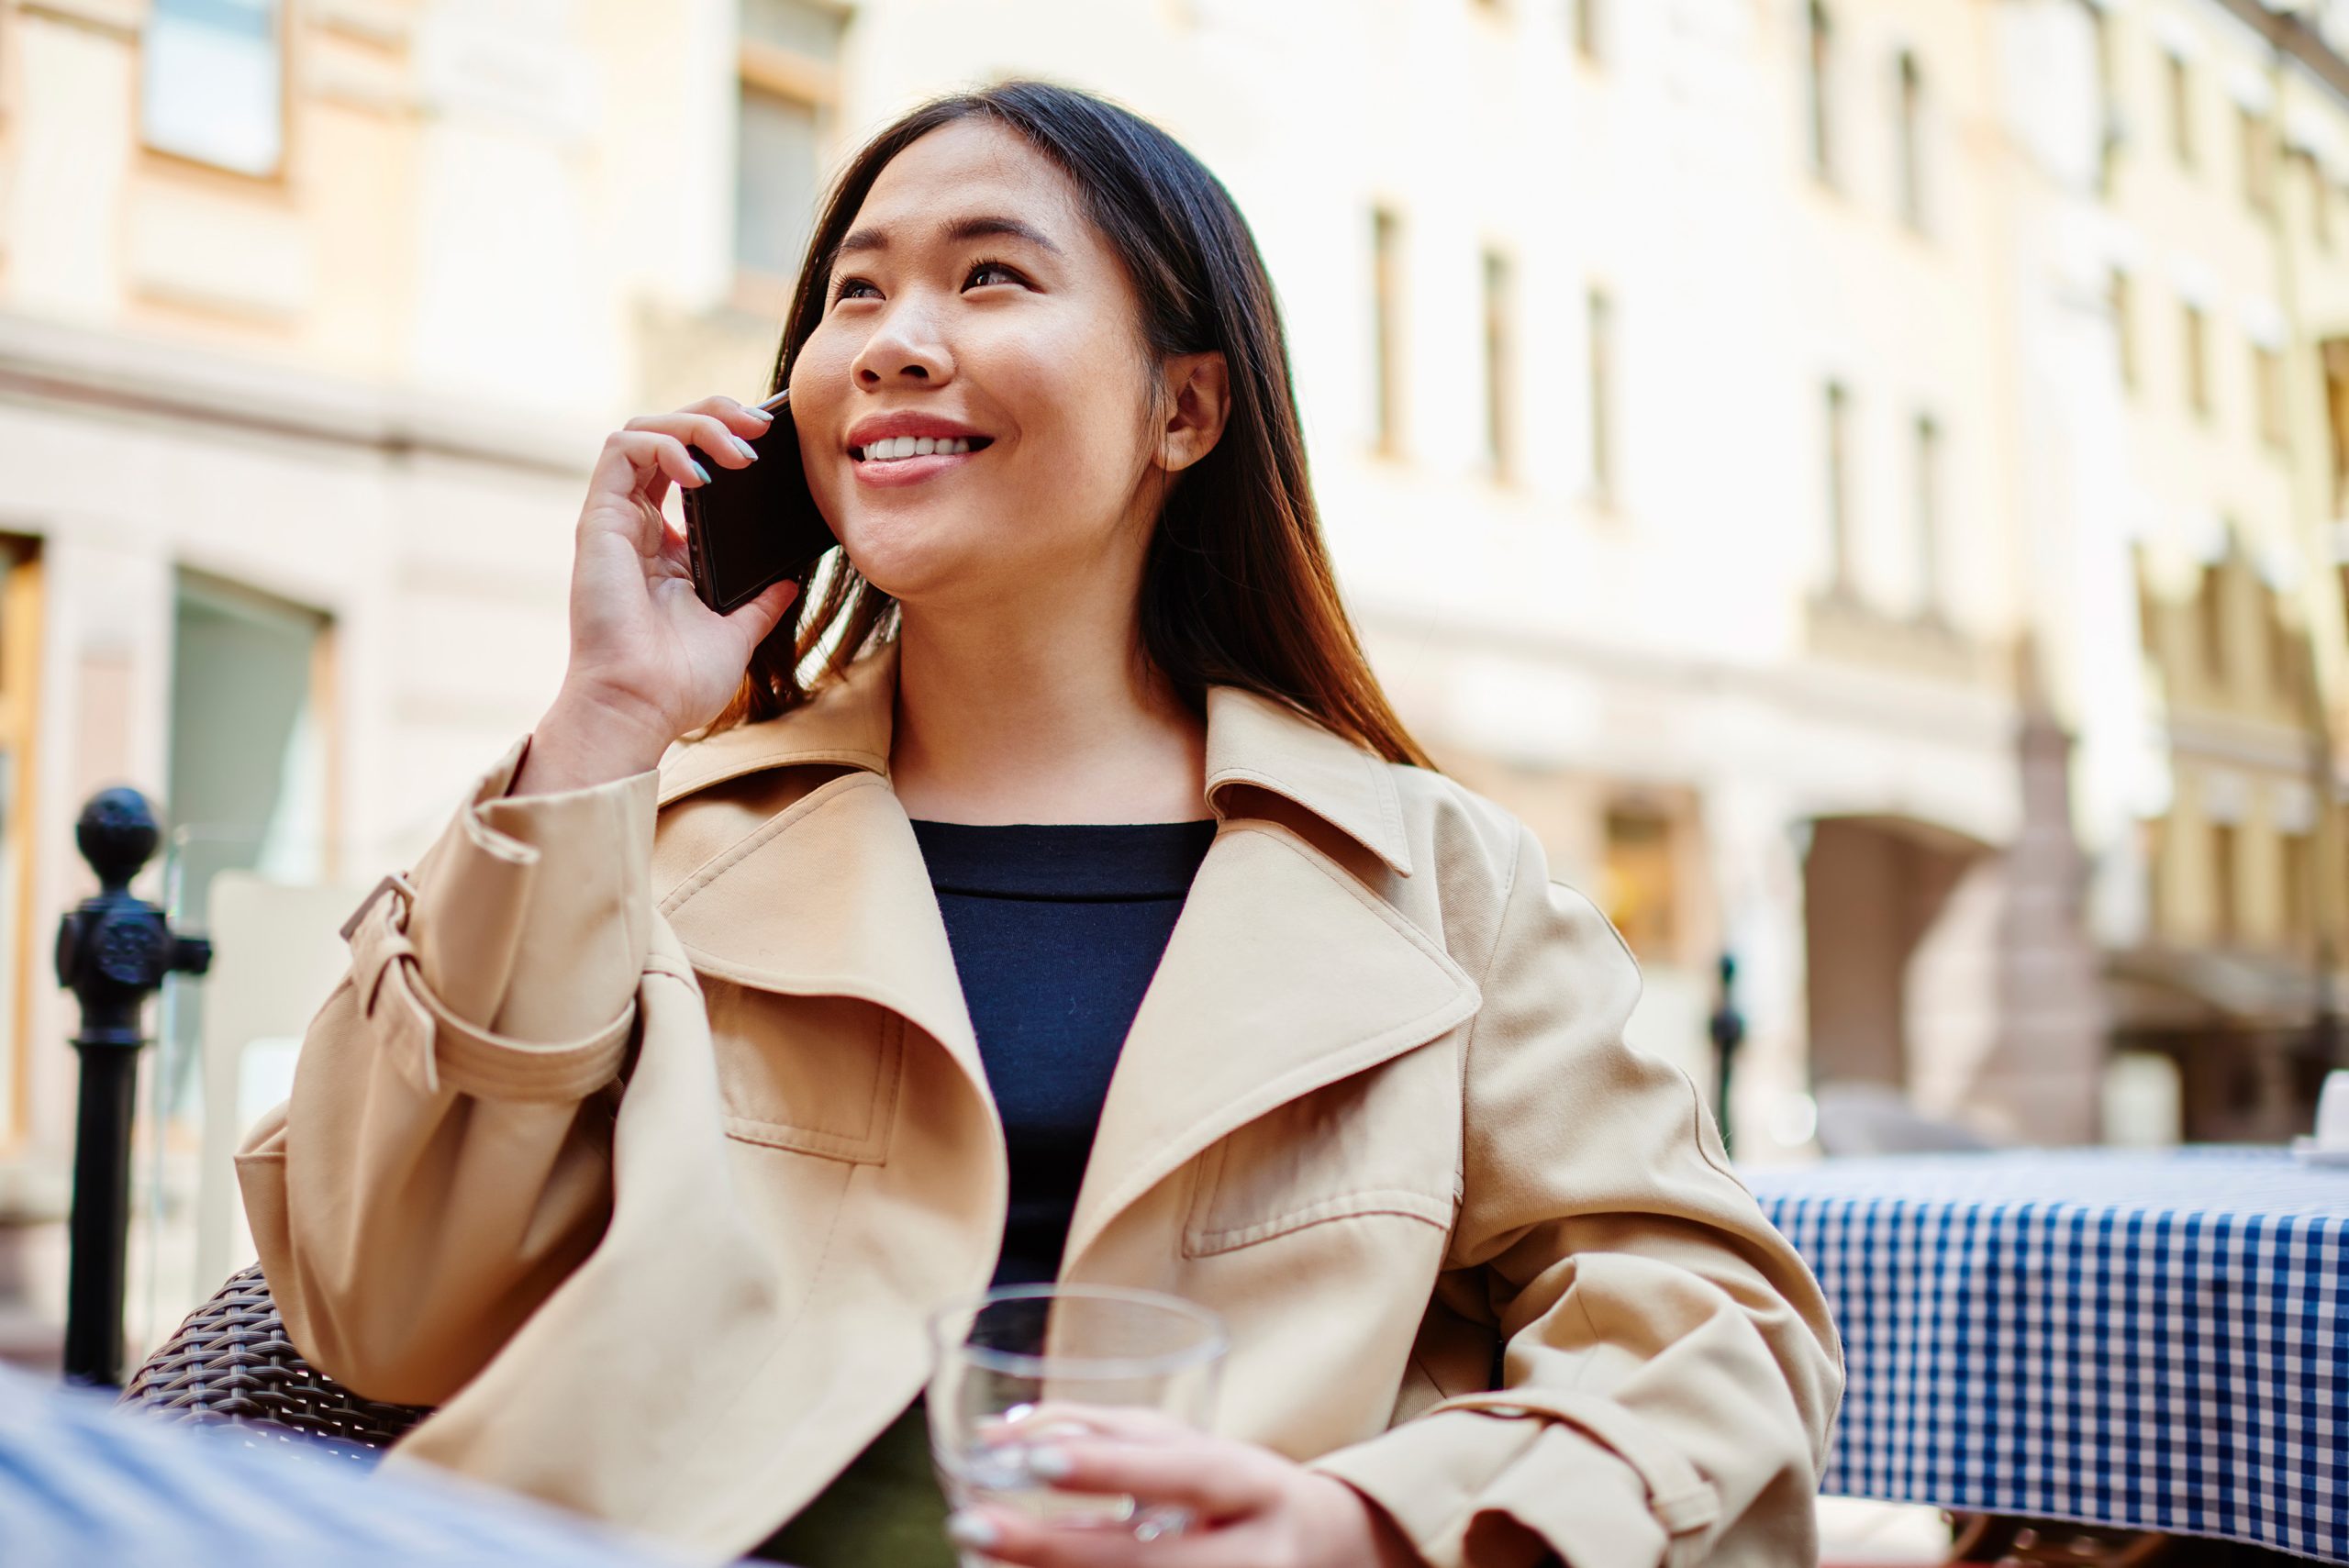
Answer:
[(813, 1075), (1384, 1143)]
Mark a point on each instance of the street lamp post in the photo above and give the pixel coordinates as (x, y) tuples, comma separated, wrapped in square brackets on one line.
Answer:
[(112, 951), (1727, 1028)]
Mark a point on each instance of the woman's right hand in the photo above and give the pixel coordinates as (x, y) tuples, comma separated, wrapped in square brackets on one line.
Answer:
[(649, 661)]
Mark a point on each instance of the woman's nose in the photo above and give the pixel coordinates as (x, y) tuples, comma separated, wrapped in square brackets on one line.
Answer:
[(903, 347)]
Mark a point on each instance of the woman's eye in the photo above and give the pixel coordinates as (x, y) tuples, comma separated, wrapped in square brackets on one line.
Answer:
[(979, 271), (846, 288)]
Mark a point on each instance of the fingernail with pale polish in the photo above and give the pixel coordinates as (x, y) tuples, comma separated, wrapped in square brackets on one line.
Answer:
[(761, 415), (1048, 1463), (747, 450), (971, 1531), (701, 472)]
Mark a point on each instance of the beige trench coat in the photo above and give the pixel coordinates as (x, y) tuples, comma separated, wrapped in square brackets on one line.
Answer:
[(650, 1122)]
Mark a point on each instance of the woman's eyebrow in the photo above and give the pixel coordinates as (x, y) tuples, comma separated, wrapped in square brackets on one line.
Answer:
[(978, 227)]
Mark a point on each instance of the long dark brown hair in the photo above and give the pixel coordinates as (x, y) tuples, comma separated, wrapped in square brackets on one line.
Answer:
[(1236, 589)]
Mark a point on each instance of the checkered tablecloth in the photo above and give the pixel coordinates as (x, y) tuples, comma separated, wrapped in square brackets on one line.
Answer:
[(2158, 1340)]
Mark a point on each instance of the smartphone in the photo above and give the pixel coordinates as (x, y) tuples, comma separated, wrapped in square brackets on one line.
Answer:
[(751, 527)]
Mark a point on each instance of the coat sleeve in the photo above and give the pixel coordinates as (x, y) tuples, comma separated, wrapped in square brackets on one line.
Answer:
[(444, 1159), (1669, 1369)]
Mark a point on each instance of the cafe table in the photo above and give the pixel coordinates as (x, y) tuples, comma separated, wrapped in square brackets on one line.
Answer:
[(83, 1485), (2152, 1340)]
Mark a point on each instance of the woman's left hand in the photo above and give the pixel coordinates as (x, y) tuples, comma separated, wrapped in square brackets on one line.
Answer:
[(1250, 1507)]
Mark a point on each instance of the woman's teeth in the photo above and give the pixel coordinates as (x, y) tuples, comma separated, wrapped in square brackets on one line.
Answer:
[(898, 447)]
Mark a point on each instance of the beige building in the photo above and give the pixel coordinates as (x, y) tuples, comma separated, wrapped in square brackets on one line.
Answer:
[(1731, 432), (2223, 215), (311, 321)]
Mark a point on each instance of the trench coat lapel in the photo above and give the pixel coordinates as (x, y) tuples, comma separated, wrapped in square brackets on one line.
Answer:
[(1286, 970), (1284, 974), (831, 896)]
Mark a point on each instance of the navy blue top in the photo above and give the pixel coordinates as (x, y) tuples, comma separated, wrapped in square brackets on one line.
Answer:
[(1056, 931)]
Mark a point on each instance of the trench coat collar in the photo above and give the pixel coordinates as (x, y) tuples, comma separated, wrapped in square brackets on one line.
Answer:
[(1283, 971), (1251, 739)]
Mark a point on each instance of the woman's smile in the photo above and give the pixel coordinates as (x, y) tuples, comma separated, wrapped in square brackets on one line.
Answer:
[(891, 450), (913, 469)]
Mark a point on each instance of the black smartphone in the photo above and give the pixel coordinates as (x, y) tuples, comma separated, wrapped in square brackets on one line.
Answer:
[(751, 527)]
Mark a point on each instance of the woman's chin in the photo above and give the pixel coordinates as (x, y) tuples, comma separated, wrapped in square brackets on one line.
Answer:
[(911, 564)]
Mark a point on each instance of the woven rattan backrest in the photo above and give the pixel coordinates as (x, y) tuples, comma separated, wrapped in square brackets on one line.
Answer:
[(231, 1361)]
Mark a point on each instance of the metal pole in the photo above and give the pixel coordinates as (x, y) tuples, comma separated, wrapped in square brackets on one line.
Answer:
[(1727, 1026), (112, 951)]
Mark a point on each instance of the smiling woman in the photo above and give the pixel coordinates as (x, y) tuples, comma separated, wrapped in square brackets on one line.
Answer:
[(1055, 898)]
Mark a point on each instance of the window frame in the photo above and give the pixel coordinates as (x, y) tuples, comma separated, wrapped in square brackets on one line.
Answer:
[(1819, 77), (1497, 293), (1600, 360), (778, 71), (282, 41), (2177, 92), (2255, 148), (1909, 138), (1929, 454), (2269, 397), (1389, 315), (2121, 299), (1841, 539), (2195, 338)]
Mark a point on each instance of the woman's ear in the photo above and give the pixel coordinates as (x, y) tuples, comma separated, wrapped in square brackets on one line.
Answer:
[(1200, 401)]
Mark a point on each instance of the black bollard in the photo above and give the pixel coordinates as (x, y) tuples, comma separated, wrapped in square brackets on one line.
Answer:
[(112, 951), (1727, 1026)]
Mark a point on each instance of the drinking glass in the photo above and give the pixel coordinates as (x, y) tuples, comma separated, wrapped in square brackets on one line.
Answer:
[(1008, 1360)]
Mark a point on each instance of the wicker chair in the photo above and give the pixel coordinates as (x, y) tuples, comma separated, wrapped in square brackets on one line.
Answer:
[(231, 1363)]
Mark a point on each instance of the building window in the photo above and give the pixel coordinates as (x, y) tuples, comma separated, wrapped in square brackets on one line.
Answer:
[(251, 730), (2297, 852), (2153, 841), (1386, 327), (20, 642), (2319, 203), (789, 57), (1641, 880), (2287, 654), (2226, 902), (212, 77), (1589, 31), (2181, 109), (2119, 299), (2332, 359), (1928, 513), (1500, 366), (2196, 333), (1817, 78), (2267, 383), (2211, 623), (1910, 141), (2258, 160), (2108, 77), (1601, 327), (1839, 516)]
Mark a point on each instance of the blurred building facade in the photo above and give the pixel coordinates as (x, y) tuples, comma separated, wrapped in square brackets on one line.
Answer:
[(2222, 184), (1860, 477)]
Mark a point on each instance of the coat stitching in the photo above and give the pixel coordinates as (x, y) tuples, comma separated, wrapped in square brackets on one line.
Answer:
[(806, 805), (1399, 1201), (869, 1147)]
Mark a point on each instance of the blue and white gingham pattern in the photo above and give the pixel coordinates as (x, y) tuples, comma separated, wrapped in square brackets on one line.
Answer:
[(2158, 1340), (82, 1484)]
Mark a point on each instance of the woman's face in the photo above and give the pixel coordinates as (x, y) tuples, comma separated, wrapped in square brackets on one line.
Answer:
[(973, 301)]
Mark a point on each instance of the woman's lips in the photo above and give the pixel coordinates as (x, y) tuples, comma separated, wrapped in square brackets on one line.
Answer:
[(910, 470)]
